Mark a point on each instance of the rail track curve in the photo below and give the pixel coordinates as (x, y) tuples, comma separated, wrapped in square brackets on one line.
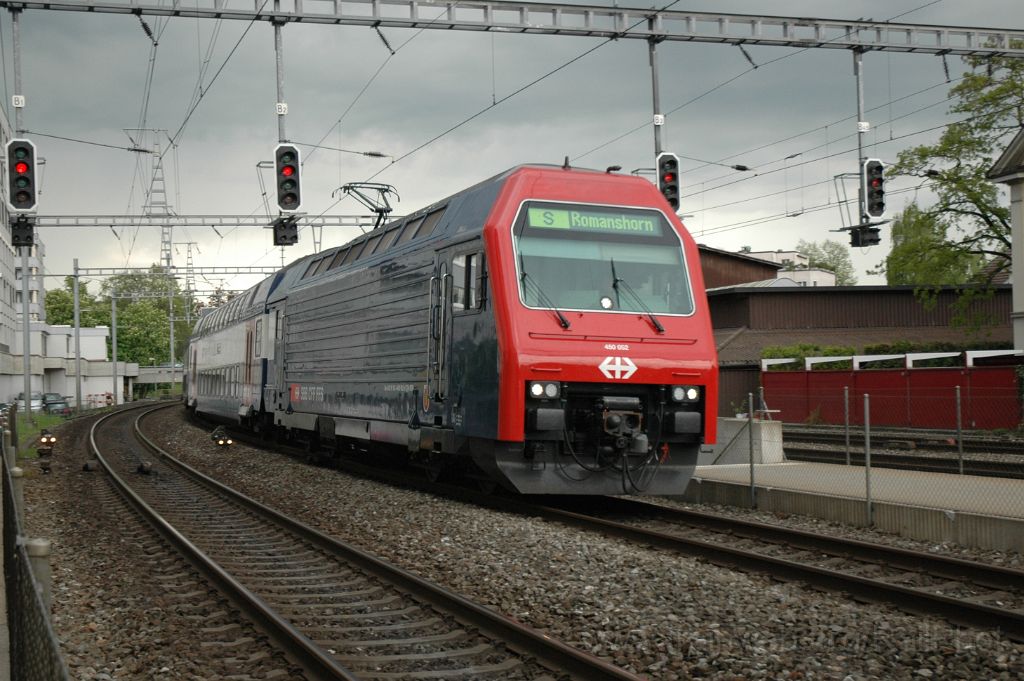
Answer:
[(336, 610)]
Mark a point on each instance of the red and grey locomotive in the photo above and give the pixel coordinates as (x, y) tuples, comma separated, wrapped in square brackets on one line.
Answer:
[(546, 328)]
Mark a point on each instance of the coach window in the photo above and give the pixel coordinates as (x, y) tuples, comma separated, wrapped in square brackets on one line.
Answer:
[(409, 231), (370, 245), (322, 267), (466, 282), (259, 337), (431, 222), (353, 252), (459, 283), (339, 257), (390, 237)]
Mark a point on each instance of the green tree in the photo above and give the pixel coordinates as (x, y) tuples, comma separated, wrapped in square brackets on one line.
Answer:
[(990, 101), (145, 302), (832, 256), (60, 306), (922, 254)]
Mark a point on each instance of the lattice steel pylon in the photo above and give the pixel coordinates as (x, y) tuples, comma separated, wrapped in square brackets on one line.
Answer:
[(190, 278), (156, 205)]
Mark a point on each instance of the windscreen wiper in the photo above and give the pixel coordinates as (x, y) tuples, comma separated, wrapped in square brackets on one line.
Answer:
[(643, 306), (526, 278)]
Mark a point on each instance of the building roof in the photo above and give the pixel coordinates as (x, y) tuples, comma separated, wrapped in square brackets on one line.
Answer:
[(744, 346), (747, 319), (1010, 165), (740, 256)]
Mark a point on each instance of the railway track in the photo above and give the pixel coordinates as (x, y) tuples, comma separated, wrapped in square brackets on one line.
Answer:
[(929, 462), (337, 611), (962, 592), (904, 438)]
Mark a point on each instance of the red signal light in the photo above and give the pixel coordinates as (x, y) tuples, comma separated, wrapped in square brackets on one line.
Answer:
[(668, 177), (20, 167), (288, 171)]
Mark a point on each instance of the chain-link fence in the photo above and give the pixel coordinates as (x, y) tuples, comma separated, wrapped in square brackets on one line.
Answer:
[(921, 441), (35, 651)]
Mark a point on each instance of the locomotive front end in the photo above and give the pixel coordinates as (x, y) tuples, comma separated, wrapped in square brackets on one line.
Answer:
[(609, 371)]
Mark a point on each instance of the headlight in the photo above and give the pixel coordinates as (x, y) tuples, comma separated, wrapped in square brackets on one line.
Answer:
[(229, 442), (685, 393), (541, 389)]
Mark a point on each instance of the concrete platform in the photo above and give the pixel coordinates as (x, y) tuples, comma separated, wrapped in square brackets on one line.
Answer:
[(970, 510)]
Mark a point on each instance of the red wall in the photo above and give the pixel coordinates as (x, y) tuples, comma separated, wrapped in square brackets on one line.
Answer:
[(918, 398)]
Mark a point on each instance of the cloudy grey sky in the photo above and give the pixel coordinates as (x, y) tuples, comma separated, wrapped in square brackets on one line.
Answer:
[(84, 77)]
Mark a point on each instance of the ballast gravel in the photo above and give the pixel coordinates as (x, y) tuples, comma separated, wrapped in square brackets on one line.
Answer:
[(653, 612)]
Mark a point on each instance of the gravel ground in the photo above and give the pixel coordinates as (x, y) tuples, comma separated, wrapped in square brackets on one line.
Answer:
[(124, 605), (653, 612)]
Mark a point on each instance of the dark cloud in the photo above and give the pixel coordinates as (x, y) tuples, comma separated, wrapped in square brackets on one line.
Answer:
[(85, 76)]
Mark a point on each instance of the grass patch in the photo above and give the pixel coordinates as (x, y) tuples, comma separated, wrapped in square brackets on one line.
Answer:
[(28, 430)]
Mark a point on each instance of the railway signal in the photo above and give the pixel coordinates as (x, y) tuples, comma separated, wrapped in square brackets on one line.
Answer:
[(22, 231), (668, 178), (286, 231), (864, 236), (21, 173), (874, 188), (287, 169)]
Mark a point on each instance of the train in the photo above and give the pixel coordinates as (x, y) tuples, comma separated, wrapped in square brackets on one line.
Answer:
[(546, 330)]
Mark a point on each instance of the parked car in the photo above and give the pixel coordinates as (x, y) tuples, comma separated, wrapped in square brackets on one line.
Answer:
[(54, 402), (35, 401)]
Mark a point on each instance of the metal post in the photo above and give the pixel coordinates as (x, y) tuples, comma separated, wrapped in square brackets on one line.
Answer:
[(653, 53), (279, 54), (39, 556), (750, 426), (959, 433), (10, 451), (18, 479), (862, 130), (26, 353), (78, 343), (16, 36), (867, 458), (846, 420), (170, 315), (26, 339), (113, 341)]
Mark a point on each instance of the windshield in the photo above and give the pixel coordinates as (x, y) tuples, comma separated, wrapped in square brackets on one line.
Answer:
[(571, 256)]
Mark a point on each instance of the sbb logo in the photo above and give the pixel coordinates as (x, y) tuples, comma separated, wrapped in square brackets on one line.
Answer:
[(618, 368)]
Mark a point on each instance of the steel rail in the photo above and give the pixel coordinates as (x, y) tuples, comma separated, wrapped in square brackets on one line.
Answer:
[(953, 609), (926, 463), (935, 440), (314, 659), (521, 637), (956, 610)]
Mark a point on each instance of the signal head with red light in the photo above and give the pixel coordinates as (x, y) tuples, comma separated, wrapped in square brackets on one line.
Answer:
[(286, 175), (668, 178), (874, 188), (21, 173)]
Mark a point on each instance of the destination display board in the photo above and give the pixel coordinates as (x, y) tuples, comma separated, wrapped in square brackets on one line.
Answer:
[(592, 219)]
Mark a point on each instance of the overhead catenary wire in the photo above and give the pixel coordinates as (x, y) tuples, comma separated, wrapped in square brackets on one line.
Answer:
[(762, 172), (733, 79), (714, 230)]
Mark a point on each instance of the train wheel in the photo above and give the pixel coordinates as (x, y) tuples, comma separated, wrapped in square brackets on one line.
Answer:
[(433, 471), (486, 485)]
